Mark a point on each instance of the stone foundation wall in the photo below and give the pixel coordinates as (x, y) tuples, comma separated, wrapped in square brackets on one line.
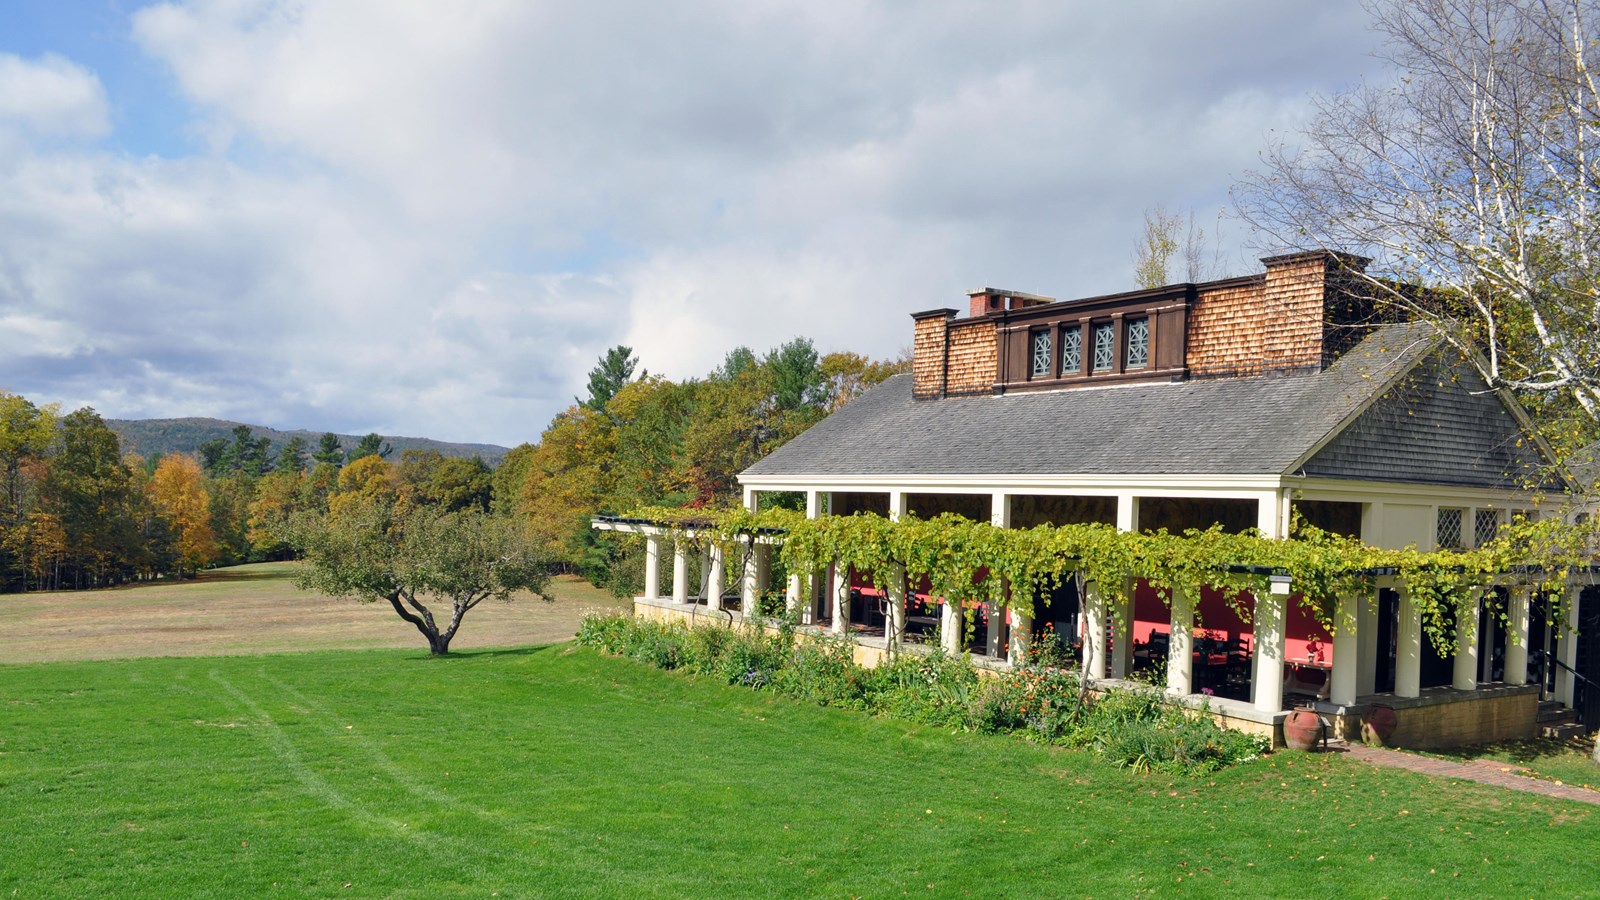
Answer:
[(1479, 717), (1443, 717)]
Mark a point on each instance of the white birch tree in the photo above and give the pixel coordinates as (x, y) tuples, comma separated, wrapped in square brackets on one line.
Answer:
[(1474, 175)]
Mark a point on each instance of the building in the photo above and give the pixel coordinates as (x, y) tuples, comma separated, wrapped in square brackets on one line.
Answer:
[(1241, 403)]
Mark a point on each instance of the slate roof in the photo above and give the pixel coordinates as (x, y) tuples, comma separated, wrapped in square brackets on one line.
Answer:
[(1242, 426), (1440, 424)]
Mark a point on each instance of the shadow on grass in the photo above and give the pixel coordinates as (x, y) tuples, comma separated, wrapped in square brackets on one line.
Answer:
[(492, 652), (284, 574), (1521, 752)]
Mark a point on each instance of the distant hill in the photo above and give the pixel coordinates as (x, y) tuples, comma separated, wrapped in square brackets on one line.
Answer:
[(148, 437)]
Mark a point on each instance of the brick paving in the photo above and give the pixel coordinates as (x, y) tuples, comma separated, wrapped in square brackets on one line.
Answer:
[(1481, 771)]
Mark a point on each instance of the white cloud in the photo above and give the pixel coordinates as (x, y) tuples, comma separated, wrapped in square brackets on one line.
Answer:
[(426, 217), (51, 96)]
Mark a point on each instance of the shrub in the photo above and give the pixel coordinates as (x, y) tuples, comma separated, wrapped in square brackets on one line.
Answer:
[(823, 671), (935, 689), (1133, 727)]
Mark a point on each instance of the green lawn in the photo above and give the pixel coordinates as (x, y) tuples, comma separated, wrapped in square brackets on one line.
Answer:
[(1568, 761), (549, 771)]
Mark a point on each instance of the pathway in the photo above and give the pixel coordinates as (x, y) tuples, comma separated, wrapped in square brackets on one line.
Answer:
[(1482, 771)]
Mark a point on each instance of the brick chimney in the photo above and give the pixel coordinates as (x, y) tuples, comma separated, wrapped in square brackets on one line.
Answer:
[(988, 300)]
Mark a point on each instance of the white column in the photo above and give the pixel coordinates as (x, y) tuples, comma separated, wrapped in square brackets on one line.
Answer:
[(1269, 515), (680, 574), (1000, 509), (1464, 675), (839, 597), (714, 578), (895, 627), (1021, 627), (652, 567), (999, 517), (1268, 684), (1346, 650), (763, 567), (1122, 640), (897, 505), (806, 587), (1367, 642), (1127, 512), (1567, 652), (747, 580), (794, 594), (1180, 645), (1122, 637), (1094, 632), (705, 573), (951, 627), (1408, 649), (1517, 636)]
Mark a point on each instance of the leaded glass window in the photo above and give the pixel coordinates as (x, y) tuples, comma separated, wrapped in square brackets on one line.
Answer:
[(1485, 525), (1138, 342), (1041, 354), (1449, 529), (1072, 351), (1105, 346)]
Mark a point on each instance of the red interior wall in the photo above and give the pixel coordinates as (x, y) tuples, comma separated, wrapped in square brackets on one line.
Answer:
[(1215, 618)]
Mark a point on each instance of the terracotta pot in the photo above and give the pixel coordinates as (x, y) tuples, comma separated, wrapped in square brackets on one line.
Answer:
[(1302, 730), (1378, 725)]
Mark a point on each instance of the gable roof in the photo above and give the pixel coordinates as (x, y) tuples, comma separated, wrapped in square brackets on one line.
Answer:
[(1441, 424), (1239, 426)]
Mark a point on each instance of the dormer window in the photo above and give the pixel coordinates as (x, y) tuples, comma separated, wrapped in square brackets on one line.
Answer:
[(1138, 344), (1072, 351), (1103, 340), (1105, 346), (1041, 355)]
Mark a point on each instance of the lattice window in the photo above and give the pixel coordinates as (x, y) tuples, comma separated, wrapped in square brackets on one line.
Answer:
[(1105, 346), (1485, 525), (1449, 529), (1138, 341), (1072, 351), (1041, 354)]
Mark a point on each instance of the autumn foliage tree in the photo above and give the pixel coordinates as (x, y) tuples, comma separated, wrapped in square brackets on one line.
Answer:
[(177, 492), (75, 512), (26, 433)]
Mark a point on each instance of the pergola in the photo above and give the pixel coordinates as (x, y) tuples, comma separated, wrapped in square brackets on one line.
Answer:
[(1107, 642)]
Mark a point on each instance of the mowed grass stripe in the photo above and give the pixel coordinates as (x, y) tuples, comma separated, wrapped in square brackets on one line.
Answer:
[(557, 772)]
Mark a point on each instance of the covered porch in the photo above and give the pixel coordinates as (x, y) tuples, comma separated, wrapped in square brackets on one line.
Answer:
[(1247, 658)]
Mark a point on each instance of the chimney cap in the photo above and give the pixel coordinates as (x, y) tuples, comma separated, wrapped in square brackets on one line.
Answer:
[(994, 292), (944, 312), (1348, 260)]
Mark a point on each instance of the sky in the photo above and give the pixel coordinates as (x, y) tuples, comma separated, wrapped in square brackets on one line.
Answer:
[(430, 219)]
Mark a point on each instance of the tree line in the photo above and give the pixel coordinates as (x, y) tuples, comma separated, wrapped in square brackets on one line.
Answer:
[(76, 512)]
